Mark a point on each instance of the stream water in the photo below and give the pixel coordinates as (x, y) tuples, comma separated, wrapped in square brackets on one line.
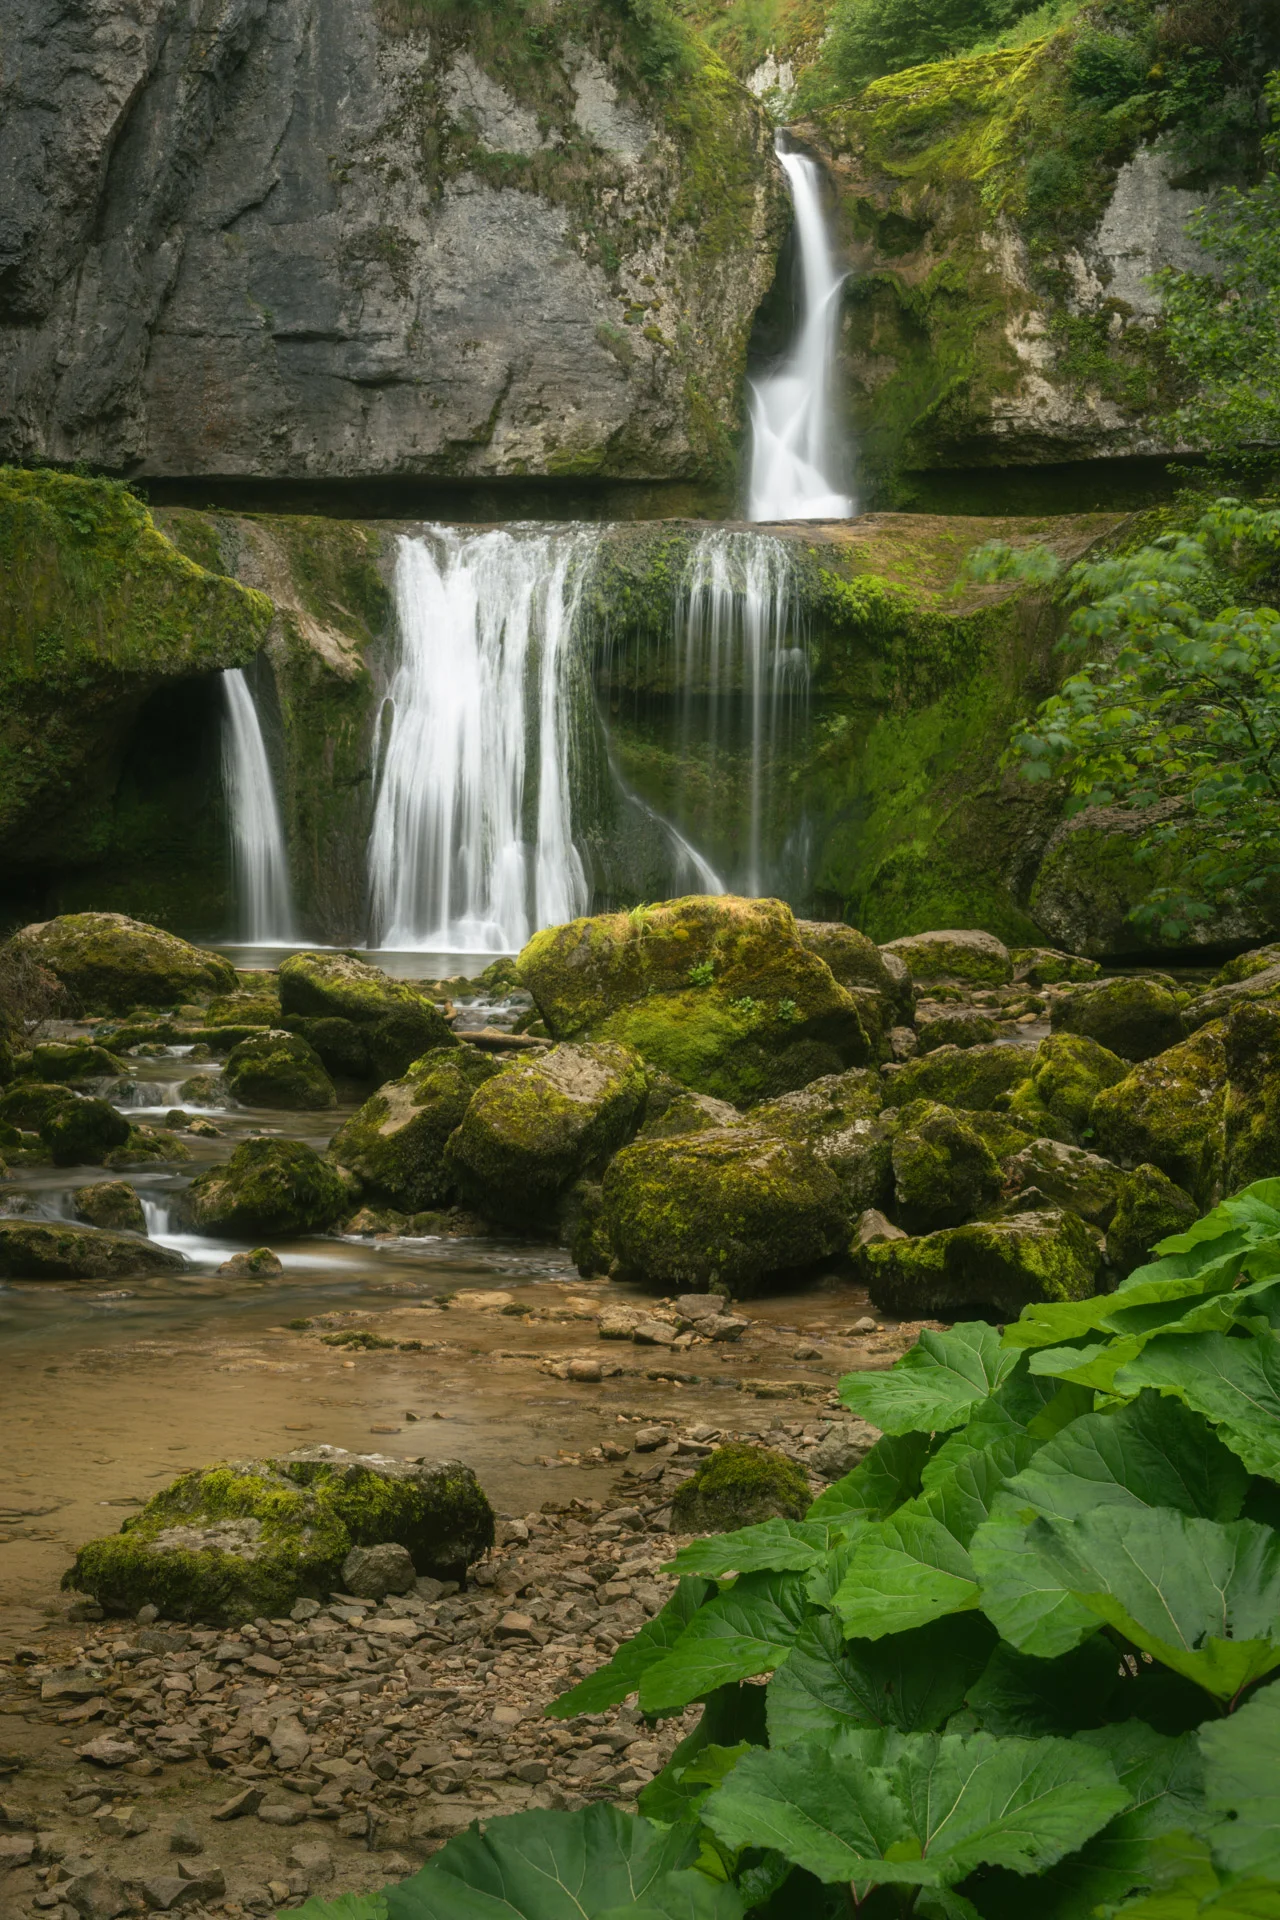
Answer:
[(259, 864)]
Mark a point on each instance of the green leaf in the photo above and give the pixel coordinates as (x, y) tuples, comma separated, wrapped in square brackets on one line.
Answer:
[(917, 1809), (679, 1790), (1187, 1887), (776, 1546), (913, 1681), (343, 1906), (936, 1384), (1024, 1594), (745, 1630), (1234, 1382), (889, 1475), (622, 1675), (1017, 1694), (1242, 1785), (595, 1864)]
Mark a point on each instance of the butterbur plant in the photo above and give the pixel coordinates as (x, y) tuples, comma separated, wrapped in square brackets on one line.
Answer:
[(1022, 1661)]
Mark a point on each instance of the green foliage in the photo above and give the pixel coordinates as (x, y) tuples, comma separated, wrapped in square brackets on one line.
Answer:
[(1176, 717), (873, 37)]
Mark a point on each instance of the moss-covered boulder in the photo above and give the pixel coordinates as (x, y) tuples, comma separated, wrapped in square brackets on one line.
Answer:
[(148, 1146), (1151, 1208), (1251, 1110), (246, 1007), (112, 1204), (667, 1114), (954, 1027), (739, 1486), (530, 1132), (273, 1187), (857, 962), (1135, 1018), (111, 963), (1261, 984), (943, 1172), (342, 1046), (959, 1076), (234, 1542), (1168, 1113), (1246, 965), (838, 1118), (1070, 1177), (60, 1250), (83, 1133), (1049, 966), (55, 1060), (275, 1069), (963, 956), (1068, 1072), (29, 1103), (996, 1266), (728, 1208), (395, 1143), (718, 992), (397, 1024)]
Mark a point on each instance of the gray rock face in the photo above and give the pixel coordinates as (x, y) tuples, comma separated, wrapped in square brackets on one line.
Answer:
[(301, 238)]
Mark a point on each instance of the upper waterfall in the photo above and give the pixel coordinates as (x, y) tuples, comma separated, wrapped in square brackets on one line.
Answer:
[(472, 844), (260, 869), (794, 463)]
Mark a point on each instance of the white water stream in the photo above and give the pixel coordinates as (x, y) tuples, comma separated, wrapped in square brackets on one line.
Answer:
[(259, 864), (794, 463)]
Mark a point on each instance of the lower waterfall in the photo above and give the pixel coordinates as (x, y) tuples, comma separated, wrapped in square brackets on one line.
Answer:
[(259, 864)]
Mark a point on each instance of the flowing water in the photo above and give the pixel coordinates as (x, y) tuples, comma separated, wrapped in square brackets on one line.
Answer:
[(472, 844), (259, 865), (794, 459)]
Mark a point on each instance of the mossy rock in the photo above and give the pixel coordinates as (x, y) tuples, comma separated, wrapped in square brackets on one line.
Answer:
[(111, 962), (1168, 1113), (399, 1024), (1003, 1133), (270, 1187), (1070, 1177), (1049, 966), (532, 1130), (960, 1076), (1136, 1019), (1216, 1004), (998, 1266), (56, 1060), (29, 1103), (148, 1146), (856, 961), (956, 1027), (253, 1006), (1151, 1209), (741, 1051), (1068, 1072), (112, 1204), (84, 1133), (966, 956), (276, 1069), (1251, 1111), (728, 1207), (739, 1486), (943, 1171), (676, 1112), (245, 1539), (59, 1250), (1246, 965), (838, 1118), (203, 1090), (342, 1046), (395, 1143)]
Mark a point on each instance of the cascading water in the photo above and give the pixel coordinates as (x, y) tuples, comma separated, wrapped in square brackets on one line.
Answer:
[(259, 864), (794, 465), (472, 843)]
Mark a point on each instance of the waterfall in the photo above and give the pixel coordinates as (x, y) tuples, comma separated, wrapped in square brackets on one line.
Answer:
[(259, 866), (793, 462), (472, 843)]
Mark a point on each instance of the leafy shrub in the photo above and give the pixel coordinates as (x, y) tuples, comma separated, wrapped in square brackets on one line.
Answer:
[(1107, 69), (868, 38), (1034, 1633)]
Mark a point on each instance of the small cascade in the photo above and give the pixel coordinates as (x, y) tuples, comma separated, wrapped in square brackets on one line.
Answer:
[(472, 845), (156, 1218), (793, 457), (259, 865)]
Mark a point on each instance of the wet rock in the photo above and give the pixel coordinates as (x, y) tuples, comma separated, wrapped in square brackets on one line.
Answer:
[(55, 1060), (395, 1143), (254, 1265), (112, 1204), (959, 1076), (1067, 1073), (270, 1186), (1168, 1113), (648, 1439), (82, 1132), (872, 1226), (112, 963), (1070, 1177), (370, 1573), (1151, 1208), (737, 1487), (276, 1069), (966, 956), (149, 1146), (202, 1090), (943, 1172), (396, 1023), (1001, 1265), (57, 1250), (1136, 1018)]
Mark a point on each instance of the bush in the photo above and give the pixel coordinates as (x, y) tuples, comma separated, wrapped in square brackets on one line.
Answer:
[(872, 37)]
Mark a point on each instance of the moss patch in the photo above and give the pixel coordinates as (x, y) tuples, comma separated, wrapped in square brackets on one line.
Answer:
[(739, 1486)]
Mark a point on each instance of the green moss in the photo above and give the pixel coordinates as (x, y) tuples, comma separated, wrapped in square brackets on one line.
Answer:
[(838, 1119), (739, 1486), (148, 1146), (112, 1204), (1168, 1113), (1134, 1018), (943, 1171), (960, 1076), (84, 1134), (110, 962), (1251, 1114), (270, 1186), (1151, 1207), (255, 1006), (278, 1070), (395, 1143), (998, 1265), (53, 1060), (1068, 1073)]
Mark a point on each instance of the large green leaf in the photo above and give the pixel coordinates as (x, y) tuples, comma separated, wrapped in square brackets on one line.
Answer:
[(622, 1675), (917, 1809), (774, 1546), (1242, 1785), (731, 1716), (936, 1384), (595, 1864), (1024, 1594), (1200, 1597), (1235, 1382), (747, 1629), (1025, 1407), (889, 1475), (913, 1681), (1016, 1694), (1188, 1887)]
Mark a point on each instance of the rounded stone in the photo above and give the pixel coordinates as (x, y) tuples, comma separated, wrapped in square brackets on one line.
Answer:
[(371, 1573)]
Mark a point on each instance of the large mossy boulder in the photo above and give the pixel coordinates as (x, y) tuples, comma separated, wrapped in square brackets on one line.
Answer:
[(974, 1077), (739, 1486), (275, 1069), (1251, 1110), (1000, 1266), (954, 956), (729, 1208), (1246, 965), (56, 1060), (270, 1186), (857, 963), (839, 1119), (239, 1541), (530, 1132), (84, 1133), (395, 1143), (1151, 1208), (247, 1007), (62, 1250), (112, 1204), (718, 992), (112, 964), (1068, 1072), (1261, 984), (1135, 1018), (1070, 1177), (943, 1171), (1168, 1113), (388, 1024)]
